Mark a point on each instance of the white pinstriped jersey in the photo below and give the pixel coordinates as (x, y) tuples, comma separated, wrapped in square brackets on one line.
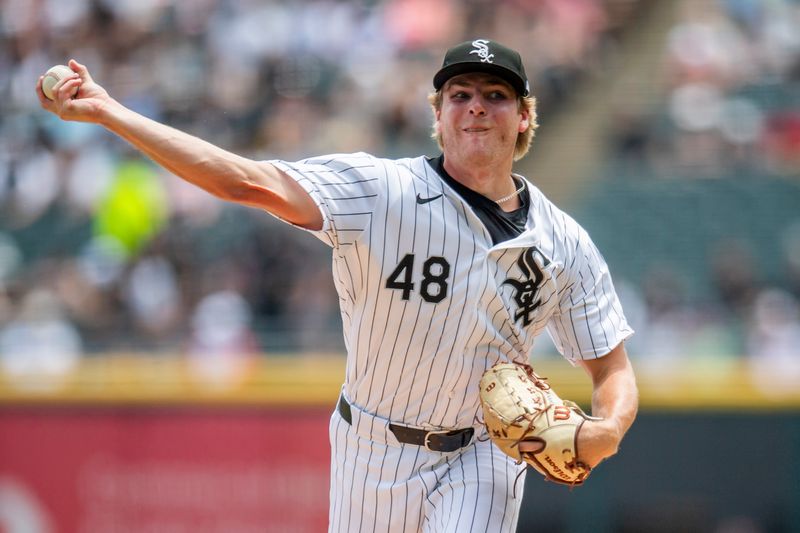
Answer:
[(428, 303)]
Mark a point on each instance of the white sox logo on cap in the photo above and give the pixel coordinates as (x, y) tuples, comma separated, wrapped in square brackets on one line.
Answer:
[(483, 55), (482, 49)]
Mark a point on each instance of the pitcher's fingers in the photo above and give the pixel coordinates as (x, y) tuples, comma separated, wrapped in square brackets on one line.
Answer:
[(68, 88), (82, 71)]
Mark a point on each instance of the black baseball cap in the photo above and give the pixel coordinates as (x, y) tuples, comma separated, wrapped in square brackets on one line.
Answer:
[(484, 55)]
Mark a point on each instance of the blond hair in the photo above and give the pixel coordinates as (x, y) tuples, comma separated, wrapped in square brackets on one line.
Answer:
[(524, 139)]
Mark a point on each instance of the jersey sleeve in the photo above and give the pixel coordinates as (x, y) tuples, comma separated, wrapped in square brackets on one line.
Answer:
[(345, 188), (590, 321)]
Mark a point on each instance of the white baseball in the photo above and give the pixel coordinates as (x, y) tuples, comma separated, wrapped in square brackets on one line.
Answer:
[(53, 76)]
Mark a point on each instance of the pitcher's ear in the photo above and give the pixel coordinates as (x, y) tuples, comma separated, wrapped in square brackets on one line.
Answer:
[(524, 122)]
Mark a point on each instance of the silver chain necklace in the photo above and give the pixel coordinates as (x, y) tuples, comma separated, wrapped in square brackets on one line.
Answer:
[(512, 195)]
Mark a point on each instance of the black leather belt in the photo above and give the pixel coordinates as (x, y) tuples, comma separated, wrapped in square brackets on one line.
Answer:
[(448, 440)]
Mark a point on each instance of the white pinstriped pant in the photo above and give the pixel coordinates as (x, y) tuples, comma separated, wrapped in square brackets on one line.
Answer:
[(380, 484)]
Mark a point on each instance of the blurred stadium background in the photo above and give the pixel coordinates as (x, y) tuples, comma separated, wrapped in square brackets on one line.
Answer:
[(168, 361)]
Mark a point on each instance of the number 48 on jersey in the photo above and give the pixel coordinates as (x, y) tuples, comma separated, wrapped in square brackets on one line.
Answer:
[(432, 288)]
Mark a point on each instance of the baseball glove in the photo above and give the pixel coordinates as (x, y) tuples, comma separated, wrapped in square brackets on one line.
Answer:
[(520, 406)]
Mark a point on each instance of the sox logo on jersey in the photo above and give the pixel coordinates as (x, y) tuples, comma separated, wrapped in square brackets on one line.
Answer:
[(525, 297)]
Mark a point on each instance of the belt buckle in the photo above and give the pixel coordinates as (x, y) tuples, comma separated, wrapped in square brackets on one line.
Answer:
[(431, 433)]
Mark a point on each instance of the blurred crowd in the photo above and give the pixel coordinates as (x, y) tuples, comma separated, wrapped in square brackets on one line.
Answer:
[(101, 251), (731, 102)]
